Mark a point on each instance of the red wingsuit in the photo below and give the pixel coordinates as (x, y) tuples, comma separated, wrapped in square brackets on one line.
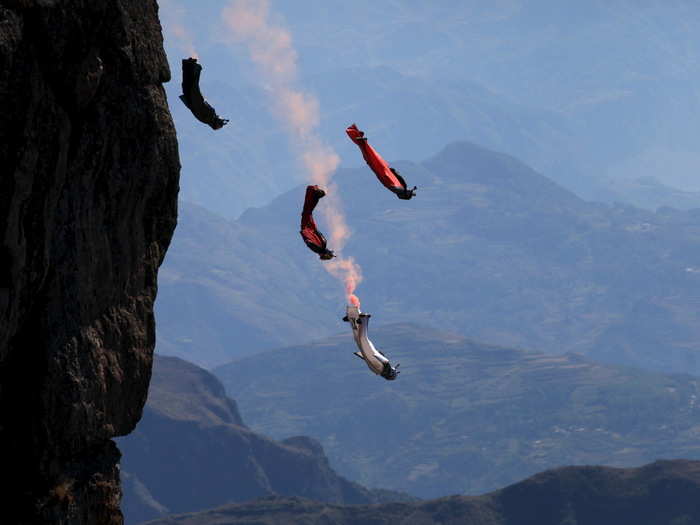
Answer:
[(313, 238), (389, 177)]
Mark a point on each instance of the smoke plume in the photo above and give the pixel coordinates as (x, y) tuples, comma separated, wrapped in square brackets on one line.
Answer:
[(272, 51)]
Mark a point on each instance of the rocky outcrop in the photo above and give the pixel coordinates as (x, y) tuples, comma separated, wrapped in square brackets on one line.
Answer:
[(88, 204)]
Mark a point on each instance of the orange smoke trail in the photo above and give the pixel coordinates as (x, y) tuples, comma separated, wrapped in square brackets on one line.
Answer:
[(172, 15), (349, 272), (271, 49)]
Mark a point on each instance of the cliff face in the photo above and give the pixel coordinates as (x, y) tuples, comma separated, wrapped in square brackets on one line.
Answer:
[(88, 204)]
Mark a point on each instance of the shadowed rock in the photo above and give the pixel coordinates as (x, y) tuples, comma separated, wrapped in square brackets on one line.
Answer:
[(88, 191)]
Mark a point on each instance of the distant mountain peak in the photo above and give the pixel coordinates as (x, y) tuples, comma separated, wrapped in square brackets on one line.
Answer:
[(464, 161)]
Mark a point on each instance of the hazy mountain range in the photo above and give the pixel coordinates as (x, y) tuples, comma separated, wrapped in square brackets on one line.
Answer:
[(463, 417), (582, 93), (192, 451), (663, 493), (489, 248), (601, 99), (249, 162)]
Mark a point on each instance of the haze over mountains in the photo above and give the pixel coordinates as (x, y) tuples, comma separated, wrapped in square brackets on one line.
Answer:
[(489, 249), (192, 451), (600, 98), (463, 417), (249, 162), (580, 93)]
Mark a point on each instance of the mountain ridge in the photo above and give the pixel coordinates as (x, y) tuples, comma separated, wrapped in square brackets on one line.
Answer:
[(463, 416), (662, 493), (192, 450), (488, 248)]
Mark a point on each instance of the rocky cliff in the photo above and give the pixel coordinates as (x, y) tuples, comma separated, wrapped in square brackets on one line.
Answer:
[(88, 204)]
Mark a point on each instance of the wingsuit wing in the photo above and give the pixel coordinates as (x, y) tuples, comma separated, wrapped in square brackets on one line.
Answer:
[(313, 238), (192, 96), (388, 176)]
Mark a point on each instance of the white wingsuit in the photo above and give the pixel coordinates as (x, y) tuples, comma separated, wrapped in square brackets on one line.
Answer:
[(376, 361)]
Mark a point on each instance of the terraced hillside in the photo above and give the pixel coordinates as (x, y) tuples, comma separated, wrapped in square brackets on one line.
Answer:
[(463, 417)]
